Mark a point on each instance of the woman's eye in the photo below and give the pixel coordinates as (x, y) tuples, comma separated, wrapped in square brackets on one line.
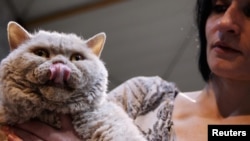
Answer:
[(247, 11), (76, 57), (219, 8), (42, 53)]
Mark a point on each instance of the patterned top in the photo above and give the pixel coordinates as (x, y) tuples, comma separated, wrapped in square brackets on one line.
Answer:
[(149, 101)]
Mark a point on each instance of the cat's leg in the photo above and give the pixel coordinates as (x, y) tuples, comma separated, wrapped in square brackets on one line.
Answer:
[(107, 123), (117, 126)]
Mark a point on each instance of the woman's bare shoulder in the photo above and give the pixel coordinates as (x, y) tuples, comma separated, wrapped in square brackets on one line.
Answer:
[(185, 104), (189, 96)]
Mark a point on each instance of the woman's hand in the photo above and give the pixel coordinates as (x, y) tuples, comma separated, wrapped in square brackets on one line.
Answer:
[(38, 131)]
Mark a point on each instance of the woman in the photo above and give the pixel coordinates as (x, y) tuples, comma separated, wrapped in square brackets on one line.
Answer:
[(164, 113), (224, 65)]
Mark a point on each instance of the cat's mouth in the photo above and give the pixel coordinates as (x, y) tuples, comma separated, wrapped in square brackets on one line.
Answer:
[(59, 76), (59, 73)]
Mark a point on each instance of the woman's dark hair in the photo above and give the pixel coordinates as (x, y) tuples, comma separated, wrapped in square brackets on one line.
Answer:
[(203, 10)]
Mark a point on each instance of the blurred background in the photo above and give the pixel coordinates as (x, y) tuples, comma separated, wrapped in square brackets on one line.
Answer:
[(144, 37)]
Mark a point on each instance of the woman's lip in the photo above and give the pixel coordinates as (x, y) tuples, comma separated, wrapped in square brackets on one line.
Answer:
[(225, 47)]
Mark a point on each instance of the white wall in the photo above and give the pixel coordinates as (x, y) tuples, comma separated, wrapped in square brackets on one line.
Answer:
[(144, 37)]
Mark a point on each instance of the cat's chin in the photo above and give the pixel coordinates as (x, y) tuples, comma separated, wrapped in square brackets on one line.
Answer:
[(56, 93), (63, 85)]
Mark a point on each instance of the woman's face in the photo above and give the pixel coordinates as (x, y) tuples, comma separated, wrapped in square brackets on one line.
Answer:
[(228, 39)]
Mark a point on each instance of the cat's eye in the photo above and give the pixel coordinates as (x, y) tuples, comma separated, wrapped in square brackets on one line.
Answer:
[(41, 53), (76, 57)]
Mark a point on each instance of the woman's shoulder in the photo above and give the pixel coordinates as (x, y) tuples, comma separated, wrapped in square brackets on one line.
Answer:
[(187, 100), (191, 96)]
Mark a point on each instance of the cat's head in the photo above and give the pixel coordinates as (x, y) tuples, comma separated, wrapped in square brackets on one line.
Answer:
[(54, 65)]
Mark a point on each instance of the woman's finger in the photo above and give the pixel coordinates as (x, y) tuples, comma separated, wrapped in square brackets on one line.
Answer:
[(66, 122), (7, 134), (24, 135), (36, 130)]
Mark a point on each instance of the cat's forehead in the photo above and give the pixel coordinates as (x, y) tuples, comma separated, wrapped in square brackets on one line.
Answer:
[(55, 39)]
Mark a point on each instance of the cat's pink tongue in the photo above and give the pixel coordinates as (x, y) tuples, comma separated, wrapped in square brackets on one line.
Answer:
[(59, 73)]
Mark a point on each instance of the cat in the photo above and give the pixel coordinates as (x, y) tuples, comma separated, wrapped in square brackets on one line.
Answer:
[(47, 73)]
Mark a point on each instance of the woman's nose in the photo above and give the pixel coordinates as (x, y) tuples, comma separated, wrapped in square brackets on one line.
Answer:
[(230, 21)]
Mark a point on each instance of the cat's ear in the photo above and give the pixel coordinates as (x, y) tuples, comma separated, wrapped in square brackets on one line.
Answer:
[(16, 35), (96, 43)]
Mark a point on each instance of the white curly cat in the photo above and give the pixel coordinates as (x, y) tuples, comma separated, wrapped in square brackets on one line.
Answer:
[(47, 73)]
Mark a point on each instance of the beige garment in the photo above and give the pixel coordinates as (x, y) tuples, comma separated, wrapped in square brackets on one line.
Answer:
[(149, 101)]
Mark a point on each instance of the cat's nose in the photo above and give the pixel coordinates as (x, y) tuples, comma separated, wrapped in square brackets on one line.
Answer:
[(59, 73)]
